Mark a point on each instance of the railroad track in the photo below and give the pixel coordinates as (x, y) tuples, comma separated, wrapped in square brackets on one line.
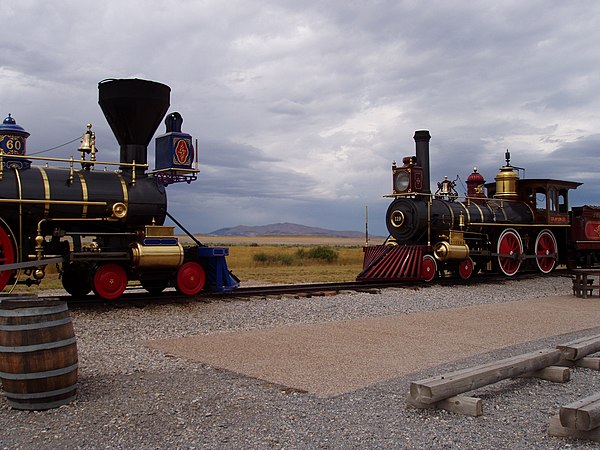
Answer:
[(137, 297)]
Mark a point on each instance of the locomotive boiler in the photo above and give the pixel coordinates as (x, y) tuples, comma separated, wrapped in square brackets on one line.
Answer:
[(506, 226), (104, 227)]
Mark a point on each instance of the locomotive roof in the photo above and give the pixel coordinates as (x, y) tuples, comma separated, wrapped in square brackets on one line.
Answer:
[(550, 182), (543, 182)]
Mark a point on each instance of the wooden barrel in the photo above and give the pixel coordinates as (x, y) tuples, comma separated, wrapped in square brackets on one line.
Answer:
[(38, 353)]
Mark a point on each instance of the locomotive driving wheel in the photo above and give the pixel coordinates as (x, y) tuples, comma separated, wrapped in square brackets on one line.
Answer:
[(510, 248), (109, 281), (465, 268), (76, 279), (546, 251), (190, 278), (428, 268)]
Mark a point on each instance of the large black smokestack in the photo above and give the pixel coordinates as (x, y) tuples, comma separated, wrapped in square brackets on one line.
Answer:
[(134, 109), (422, 138)]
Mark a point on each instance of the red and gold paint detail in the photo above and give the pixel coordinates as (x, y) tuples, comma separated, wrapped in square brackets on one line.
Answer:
[(182, 153), (559, 219), (592, 230)]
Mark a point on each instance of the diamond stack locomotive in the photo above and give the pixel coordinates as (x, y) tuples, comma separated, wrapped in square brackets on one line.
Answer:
[(105, 227), (520, 223)]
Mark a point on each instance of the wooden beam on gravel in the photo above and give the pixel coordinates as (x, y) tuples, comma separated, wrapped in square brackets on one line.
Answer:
[(555, 374), (459, 404), (581, 347), (587, 362), (556, 429), (582, 415), (435, 389)]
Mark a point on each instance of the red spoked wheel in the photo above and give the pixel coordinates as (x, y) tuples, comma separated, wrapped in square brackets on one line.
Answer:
[(190, 278), (110, 281), (7, 256), (546, 251), (465, 268), (428, 268), (510, 248)]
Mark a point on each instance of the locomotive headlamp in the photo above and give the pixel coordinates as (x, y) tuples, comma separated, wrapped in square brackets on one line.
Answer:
[(408, 178), (401, 181)]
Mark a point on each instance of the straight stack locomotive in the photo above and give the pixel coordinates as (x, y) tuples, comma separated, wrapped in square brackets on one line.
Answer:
[(105, 227), (518, 224)]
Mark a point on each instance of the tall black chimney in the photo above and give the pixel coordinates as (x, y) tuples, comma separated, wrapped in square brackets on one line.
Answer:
[(422, 138), (133, 108)]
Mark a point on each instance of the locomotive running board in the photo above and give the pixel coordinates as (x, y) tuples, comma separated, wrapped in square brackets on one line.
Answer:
[(386, 262), (36, 263)]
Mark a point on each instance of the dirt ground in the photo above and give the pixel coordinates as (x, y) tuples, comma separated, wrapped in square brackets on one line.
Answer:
[(329, 359)]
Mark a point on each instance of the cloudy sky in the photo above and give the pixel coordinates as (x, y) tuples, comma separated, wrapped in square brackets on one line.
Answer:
[(301, 106)]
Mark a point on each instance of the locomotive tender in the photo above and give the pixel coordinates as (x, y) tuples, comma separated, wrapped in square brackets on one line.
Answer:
[(518, 224), (104, 228)]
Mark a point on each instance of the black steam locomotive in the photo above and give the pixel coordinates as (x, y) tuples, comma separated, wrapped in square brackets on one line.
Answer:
[(104, 227), (517, 224)]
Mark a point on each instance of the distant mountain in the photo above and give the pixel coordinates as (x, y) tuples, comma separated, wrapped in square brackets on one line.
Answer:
[(284, 229)]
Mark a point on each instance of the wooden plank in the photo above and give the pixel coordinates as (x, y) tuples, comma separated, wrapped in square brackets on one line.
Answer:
[(580, 348), (556, 374), (432, 390), (589, 362), (459, 404), (582, 415), (556, 429)]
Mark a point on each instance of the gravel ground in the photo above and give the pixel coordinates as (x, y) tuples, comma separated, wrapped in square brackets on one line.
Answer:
[(131, 396)]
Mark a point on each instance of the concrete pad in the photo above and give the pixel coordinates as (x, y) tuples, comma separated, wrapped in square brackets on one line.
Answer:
[(332, 358)]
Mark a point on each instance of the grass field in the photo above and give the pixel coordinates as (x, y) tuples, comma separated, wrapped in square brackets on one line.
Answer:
[(280, 265), (272, 259)]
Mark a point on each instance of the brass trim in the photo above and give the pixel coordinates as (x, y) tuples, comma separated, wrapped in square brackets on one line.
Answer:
[(119, 210), (88, 219), (491, 210), (19, 188), (521, 225), (159, 231), (397, 218), (480, 211), (429, 201), (530, 209), (467, 211), (125, 191), (451, 213), (157, 256), (69, 160), (51, 202), (47, 195), (84, 195)]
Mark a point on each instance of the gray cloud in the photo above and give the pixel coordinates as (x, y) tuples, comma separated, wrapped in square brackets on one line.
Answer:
[(300, 106)]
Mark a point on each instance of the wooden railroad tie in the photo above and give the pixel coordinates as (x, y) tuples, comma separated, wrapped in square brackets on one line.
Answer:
[(577, 350), (432, 391), (580, 419), (444, 391)]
